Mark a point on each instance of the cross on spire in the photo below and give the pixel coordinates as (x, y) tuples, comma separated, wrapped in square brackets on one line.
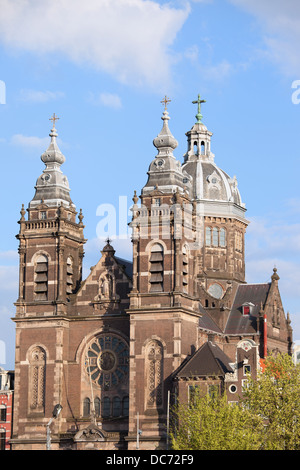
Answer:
[(53, 119), (165, 101), (199, 102)]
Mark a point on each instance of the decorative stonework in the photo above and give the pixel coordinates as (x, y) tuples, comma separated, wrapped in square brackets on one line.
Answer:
[(37, 373), (154, 373), (107, 361)]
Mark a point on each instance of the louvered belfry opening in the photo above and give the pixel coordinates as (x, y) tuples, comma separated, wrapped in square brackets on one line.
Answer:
[(185, 271), (157, 268), (69, 289), (41, 278)]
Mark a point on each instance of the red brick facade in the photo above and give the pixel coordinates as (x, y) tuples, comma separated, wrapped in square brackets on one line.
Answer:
[(116, 347)]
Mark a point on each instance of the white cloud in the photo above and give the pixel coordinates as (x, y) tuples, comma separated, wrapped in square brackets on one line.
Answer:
[(110, 100), (9, 256), (21, 140), (280, 22), (9, 279), (36, 96), (129, 39)]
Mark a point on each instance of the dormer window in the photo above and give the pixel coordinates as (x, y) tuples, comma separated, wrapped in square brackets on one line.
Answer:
[(157, 202), (43, 215), (247, 308)]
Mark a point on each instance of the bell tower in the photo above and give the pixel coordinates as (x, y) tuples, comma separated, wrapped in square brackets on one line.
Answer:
[(164, 311), (50, 241), (51, 244)]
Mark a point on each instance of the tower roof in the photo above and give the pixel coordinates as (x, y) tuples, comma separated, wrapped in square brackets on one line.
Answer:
[(208, 183), (52, 187), (165, 172)]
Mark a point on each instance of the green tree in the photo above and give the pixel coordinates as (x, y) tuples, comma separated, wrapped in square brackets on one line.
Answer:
[(275, 397), (210, 423)]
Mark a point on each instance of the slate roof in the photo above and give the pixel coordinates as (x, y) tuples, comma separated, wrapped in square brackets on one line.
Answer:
[(128, 266), (208, 360), (246, 324)]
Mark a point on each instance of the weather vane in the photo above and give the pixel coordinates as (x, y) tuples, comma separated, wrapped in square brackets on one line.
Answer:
[(166, 101), (53, 119), (199, 102)]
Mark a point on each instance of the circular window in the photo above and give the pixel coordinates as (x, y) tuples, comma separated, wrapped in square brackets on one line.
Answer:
[(215, 290), (107, 361), (233, 388)]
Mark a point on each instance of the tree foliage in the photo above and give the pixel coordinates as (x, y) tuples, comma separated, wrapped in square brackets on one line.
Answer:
[(275, 397), (210, 423), (267, 417)]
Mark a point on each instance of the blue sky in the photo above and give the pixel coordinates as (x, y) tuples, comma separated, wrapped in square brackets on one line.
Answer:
[(104, 66)]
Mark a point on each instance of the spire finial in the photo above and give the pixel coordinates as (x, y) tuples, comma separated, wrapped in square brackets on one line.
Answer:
[(166, 101), (199, 102), (53, 119)]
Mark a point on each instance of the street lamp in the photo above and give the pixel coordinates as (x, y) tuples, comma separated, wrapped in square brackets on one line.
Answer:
[(56, 411)]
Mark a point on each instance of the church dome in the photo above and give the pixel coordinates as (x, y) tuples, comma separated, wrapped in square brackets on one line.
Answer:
[(208, 182)]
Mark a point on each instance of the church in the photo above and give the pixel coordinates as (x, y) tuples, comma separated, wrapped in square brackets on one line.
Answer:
[(114, 351)]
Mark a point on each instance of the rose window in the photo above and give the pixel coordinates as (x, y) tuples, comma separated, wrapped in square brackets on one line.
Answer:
[(107, 361)]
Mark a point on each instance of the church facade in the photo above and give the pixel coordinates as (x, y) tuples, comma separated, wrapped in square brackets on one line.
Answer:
[(117, 348)]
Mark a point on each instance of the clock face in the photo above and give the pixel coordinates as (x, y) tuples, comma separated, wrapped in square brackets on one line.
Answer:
[(107, 361), (215, 290)]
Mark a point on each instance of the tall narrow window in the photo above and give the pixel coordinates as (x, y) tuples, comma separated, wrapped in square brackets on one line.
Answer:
[(202, 148), (116, 407), (215, 237), (41, 278), (222, 237), (2, 439), (195, 148), (106, 407), (86, 407), (70, 286), (37, 373), (97, 406), (125, 406), (154, 371), (208, 236), (2, 413), (185, 268), (156, 268)]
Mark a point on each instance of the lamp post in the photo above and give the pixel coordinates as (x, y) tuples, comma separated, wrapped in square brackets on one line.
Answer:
[(56, 411)]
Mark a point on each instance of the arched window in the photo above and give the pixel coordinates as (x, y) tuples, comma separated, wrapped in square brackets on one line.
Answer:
[(70, 286), (125, 410), (97, 406), (202, 148), (215, 236), (185, 268), (116, 405), (106, 407), (37, 376), (41, 278), (195, 148), (86, 407), (208, 236), (222, 237), (156, 268)]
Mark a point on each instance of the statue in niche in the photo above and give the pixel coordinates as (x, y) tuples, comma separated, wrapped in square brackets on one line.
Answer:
[(106, 287)]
